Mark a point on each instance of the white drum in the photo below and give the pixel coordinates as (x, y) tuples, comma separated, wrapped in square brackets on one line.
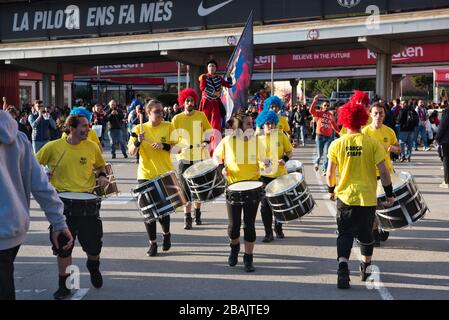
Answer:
[(80, 203)]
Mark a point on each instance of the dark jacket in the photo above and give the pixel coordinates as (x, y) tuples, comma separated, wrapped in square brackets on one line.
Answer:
[(402, 120), (443, 129), (115, 120)]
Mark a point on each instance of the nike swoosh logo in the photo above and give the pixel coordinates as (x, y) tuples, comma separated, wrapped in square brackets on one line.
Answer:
[(207, 11)]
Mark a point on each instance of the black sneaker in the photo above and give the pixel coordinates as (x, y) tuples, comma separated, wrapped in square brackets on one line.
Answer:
[(153, 250), (234, 254), (198, 221), (62, 293), (113, 156), (364, 275), (278, 230), (268, 237), (166, 244), (188, 223), (95, 275), (126, 156), (248, 261), (343, 276)]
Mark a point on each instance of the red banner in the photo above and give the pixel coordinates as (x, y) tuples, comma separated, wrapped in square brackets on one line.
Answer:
[(442, 76)]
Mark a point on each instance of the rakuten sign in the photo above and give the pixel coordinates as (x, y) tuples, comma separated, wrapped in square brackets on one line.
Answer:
[(408, 54)]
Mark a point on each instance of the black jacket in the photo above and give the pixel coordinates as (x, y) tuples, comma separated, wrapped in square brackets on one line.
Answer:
[(443, 129)]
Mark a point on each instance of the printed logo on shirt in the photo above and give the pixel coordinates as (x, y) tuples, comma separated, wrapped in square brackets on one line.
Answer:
[(353, 151), (83, 160), (385, 139), (164, 139)]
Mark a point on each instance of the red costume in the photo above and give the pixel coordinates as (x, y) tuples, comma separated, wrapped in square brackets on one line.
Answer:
[(210, 103)]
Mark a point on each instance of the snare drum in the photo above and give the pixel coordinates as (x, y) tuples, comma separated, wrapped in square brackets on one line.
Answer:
[(408, 208), (159, 197), (111, 188), (80, 203), (294, 166), (205, 180), (289, 197), (244, 192)]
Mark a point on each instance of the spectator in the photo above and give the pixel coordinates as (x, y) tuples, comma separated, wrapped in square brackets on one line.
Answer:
[(115, 118), (420, 129), (22, 128), (442, 138), (408, 120), (42, 124)]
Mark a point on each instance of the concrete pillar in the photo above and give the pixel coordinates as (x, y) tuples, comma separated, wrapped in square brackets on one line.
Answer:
[(195, 72), (397, 86), (59, 90), (46, 89), (294, 83), (383, 76)]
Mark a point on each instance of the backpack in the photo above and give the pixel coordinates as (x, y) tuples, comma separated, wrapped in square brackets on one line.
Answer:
[(412, 118)]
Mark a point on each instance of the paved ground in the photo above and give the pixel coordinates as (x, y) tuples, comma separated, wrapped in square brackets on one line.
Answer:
[(413, 263)]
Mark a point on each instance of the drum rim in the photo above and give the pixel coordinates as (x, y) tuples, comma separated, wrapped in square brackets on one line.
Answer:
[(406, 181), (294, 161), (95, 197), (270, 195), (202, 172), (227, 187)]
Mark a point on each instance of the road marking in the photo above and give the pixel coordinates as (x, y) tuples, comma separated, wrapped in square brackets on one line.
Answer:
[(379, 286), (79, 294), (121, 199)]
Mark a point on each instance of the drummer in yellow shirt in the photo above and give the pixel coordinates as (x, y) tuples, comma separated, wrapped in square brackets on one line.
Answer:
[(275, 150), (192, 131), (274, 103), (240, 155), (356, 155), (387, 138), (72, 162), (153, 143)]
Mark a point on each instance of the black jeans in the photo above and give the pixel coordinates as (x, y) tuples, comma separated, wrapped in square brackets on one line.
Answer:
[(249, 220), (265, 209), (151, 227), (7, 288), (446, 161), (354, 222)]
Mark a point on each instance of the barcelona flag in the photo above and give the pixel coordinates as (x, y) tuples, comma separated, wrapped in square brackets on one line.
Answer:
[(240, 69)]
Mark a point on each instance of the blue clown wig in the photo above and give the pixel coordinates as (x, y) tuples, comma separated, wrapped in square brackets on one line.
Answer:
[(81, 111), (270, 101), (267, 116)]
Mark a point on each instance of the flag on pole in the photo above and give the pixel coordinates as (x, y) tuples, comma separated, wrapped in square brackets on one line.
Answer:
[(240, 69)]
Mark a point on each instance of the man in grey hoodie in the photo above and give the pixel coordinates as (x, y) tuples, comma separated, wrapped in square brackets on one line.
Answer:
[(20, 175)]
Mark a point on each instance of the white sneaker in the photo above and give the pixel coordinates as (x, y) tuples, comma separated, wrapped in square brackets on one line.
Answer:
[(427, 149), (444, 185)]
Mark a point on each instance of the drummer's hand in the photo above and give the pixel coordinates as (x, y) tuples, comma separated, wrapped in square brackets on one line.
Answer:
[(390, 201), (332, 197), (103, 181), (224, 171), (157, 146), (281, 162), (55, 235), (49, 175), (141, 137)]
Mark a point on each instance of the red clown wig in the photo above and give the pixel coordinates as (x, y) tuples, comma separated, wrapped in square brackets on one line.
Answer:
[(360, 97), (352, 116), (184, 94)]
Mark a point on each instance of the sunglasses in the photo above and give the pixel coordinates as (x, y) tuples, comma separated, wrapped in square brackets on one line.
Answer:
[(157, 111)]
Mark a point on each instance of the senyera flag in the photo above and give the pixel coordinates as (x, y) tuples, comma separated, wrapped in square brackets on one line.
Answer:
[(240, 69)]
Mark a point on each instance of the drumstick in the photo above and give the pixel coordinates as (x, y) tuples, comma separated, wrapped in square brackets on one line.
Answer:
[(141, 123), (57, 163)]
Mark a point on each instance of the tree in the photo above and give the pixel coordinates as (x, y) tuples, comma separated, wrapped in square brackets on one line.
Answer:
[(423, 82)]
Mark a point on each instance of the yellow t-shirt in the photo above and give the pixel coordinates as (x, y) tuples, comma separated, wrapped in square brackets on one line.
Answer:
[(190, 130), (240, 158), (356, 156), (283, 124), (153, 163), (75, 171), (344, 130), (273, 147), (92, 136), (387, 137)]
